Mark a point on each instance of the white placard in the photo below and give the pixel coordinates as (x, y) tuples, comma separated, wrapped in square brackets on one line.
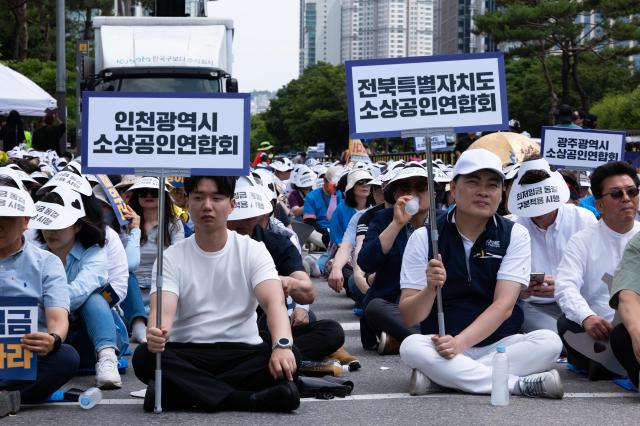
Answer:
[(464, 92), (207, 134), (320, 148), (581, 149), (437, 142)]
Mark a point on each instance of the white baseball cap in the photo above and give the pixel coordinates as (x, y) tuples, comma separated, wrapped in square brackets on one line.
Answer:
[(54, 216), (15, 202), (356, 176), (473, 160), (409, 171), (149, 182)]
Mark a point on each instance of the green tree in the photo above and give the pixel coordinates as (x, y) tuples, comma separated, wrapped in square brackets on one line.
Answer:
[(259, 131), (619, 111), (544, 29), (311, 109)]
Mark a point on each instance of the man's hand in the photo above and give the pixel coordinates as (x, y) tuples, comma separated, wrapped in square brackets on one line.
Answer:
[(282, 364), (597, 327), (447, 346), (336, 280), (39, 343), (156, 339), (400, 216), (546, 289), (299, 316), (436, 274), (286, 283)]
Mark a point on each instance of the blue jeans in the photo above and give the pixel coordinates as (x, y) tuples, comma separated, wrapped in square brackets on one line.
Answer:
[(133, 305), (96, 329)]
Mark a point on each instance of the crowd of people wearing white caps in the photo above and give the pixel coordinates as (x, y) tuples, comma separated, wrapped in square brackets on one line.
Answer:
[(545, 278)]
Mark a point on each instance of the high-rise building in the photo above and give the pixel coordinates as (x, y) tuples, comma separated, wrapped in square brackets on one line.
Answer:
[(320, 32), (454, 25), (386, 28)]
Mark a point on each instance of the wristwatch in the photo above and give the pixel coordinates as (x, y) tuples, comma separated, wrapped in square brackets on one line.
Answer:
[(57, 341), (282, 343)]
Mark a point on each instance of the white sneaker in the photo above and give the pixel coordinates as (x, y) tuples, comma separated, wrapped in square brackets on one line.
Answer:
[(419, 384), (545, 385), (313, 267), (107, 376)]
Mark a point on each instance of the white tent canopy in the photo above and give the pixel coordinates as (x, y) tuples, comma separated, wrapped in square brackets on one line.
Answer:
[(19, 93)]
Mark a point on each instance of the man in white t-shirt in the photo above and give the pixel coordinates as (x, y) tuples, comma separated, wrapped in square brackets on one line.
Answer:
[(539, 198), (483, 265), (586, 271), (212, 355)]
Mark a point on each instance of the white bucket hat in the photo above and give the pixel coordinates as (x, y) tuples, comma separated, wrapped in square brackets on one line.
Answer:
[(536, 199), (251, 201), (356, 176), (15, 203), (54, 216), (69, 179)]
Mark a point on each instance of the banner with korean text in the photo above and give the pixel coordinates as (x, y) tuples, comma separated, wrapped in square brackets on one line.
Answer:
[(464, 92), (581, 149), (18, 316), (207, 134)]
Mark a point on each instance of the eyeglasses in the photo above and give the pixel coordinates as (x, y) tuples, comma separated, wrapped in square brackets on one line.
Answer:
[(618, 193), (147, 192)]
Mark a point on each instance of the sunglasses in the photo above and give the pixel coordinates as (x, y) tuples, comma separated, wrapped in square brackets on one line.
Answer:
[(147, 192), (362, 182), (618, 193), (418, 187)]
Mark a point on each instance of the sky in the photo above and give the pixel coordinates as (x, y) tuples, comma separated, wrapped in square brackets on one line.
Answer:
[(266, 41)]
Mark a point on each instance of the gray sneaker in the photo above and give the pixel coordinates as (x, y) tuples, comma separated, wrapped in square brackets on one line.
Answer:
[(419, 384), (544, 385)]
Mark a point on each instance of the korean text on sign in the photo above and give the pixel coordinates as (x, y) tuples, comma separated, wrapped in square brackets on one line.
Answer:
[(127, 131), (464, 92), (18, 316), (581, 149)]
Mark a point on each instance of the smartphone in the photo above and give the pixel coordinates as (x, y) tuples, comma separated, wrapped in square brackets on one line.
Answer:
[(537, 277)]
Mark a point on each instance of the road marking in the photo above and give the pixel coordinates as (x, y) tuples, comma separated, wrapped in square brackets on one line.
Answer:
[(378, 396), (350, 326)]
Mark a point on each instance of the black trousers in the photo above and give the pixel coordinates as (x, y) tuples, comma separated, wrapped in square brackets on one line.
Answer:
[(315, 340), (54, 370), (383, 315), (623, 350), (204, 375)]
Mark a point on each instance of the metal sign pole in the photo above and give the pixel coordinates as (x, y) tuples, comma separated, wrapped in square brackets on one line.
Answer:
[(428, 133)]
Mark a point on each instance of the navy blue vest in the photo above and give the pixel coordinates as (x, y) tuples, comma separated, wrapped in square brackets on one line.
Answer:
[(466, 294)]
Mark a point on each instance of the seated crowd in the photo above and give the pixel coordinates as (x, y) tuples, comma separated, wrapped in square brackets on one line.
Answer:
[(543, 279)]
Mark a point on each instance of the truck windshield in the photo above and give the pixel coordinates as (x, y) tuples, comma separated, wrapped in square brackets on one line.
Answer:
[(161, 84)]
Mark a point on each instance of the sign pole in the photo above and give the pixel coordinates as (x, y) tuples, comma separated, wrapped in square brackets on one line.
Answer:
[(158, 377)]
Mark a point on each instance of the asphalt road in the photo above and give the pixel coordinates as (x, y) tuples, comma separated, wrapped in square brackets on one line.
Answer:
[(380, 397)]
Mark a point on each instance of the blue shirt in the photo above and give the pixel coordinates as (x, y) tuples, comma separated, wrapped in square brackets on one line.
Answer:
[(339, 222), (33, 272), (86, 272), (589, 203), (315, 206)]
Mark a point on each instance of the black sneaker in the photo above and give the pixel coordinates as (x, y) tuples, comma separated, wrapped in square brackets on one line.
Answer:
[(282, 398), (9, 402), (545, 385)]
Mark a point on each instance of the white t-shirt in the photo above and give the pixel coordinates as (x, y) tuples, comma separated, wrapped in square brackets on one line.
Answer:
[(216, 299), (548, 245), (118, 268), (515, 264), (589, 255)]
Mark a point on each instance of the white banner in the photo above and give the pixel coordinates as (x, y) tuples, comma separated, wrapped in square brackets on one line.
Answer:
[(464, 92), (581, 149), (208, 134), (437, 142)]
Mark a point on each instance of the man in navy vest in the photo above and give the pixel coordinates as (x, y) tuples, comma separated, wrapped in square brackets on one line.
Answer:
[(484, 263)]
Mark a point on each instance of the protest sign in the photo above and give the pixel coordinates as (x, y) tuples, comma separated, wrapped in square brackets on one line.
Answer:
[(207, 134), (113, 196), (581, 149), (437, 142), (18, 316), (320, 148), (464, 92), (357, 151)]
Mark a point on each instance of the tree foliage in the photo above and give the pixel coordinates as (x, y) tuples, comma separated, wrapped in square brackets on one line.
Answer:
[(546, 29), (311, 109), (619, 111)]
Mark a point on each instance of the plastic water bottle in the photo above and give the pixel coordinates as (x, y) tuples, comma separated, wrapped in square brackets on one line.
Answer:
[(500, 378), (412, 206), (89, 398)]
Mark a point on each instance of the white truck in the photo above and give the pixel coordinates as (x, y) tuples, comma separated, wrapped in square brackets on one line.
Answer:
[(161, 54)]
